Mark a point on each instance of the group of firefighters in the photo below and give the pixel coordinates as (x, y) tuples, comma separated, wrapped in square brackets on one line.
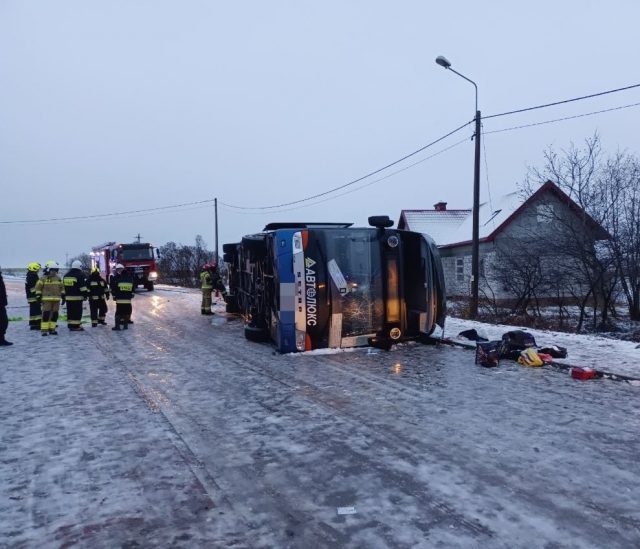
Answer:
[(46, 294)]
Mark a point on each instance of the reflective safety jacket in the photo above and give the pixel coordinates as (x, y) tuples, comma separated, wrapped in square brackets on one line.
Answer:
[(97, 285), (75, 285), (206, 283), (50, 288), (30, 286), (122, 287)]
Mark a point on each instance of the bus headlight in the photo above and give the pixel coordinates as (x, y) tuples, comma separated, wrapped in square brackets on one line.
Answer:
[(153, 275), (301, 338), (393, 241)]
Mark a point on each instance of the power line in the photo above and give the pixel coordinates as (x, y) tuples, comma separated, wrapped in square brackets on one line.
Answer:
[(353, 182), (561, 119), (145, 211), (369, 183), (114, 214), (562, 102), (117, 215)]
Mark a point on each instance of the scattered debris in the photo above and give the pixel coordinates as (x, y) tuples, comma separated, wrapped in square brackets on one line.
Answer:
[(584, 373), (347, 510)]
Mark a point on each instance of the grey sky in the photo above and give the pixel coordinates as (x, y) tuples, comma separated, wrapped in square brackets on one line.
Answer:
[(123, 105)]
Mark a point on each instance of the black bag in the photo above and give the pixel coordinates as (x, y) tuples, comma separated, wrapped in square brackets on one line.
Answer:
[(513, 342), (472, 334), (487, 353), (555, 351)]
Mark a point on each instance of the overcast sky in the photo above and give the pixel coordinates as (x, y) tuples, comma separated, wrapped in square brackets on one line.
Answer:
[(126, 105)]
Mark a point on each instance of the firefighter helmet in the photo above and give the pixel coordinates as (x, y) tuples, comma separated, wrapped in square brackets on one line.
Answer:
[(52, 265), (34, 267), (76, 264), (119, 266)]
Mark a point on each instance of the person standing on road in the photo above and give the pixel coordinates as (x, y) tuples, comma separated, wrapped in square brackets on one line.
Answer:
[(121, 285), (35, 312), (76, 291), (50, 291), (216, 281), (98, 294), (4, 319), (206, 285)]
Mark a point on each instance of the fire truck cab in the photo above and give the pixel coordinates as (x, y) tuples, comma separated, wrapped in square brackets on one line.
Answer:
[(139, 258)]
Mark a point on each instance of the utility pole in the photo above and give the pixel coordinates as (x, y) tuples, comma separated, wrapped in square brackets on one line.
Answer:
[(475, 245), (215, 206)]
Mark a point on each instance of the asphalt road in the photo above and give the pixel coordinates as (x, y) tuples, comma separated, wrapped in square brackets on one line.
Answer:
[(179, 433)]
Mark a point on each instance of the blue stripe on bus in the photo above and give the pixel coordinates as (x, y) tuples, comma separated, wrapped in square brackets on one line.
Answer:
[(286, 336)]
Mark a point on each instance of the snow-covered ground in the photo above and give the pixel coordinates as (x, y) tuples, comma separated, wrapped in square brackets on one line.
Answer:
[(610, 355), (179, 433)]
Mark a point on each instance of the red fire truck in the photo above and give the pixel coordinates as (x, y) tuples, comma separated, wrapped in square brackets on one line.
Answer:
[(139, 258)]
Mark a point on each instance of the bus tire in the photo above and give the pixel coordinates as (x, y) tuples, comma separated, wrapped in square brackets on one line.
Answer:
[(254, 244), (229, 248)]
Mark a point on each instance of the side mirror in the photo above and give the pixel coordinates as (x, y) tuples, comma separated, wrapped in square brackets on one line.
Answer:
[(380, 221), (158, 253)]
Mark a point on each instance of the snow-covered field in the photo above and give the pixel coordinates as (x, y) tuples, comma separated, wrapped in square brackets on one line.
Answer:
[(179, 433)]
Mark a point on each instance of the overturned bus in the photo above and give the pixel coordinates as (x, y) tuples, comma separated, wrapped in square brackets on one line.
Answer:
[(307, 286)]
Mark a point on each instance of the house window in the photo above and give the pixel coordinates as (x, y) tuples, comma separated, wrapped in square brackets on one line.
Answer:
[(544, 213), (459, 269)]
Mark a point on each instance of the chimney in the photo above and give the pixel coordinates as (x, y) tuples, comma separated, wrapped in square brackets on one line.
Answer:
[(440, 206)]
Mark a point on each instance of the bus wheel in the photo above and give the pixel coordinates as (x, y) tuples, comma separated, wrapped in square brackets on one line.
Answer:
[(256, 334)]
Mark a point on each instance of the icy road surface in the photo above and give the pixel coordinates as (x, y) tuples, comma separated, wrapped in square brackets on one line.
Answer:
[(179, 433)]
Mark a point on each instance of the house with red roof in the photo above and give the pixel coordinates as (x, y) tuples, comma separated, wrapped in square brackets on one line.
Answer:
[(509, 221)]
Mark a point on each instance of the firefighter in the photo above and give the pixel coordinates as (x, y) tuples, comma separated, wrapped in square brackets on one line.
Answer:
[(50, 292), (121, 285), (76, 291), (4, 319), (206, 285), (35, 314), (98, 294)]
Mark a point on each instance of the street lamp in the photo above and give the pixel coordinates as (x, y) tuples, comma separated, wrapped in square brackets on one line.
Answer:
[(475, 257)]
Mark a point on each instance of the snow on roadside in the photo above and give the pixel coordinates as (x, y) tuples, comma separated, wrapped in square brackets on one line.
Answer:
[(619, 357)]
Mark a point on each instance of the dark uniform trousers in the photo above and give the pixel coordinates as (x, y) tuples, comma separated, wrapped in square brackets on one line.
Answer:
[(74, 312), (123, 313), (98, 309), (35, 313)]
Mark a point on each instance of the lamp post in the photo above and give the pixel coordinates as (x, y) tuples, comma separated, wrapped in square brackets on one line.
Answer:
[(475, 255)]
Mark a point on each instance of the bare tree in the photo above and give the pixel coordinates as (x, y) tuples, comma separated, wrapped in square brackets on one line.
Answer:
[(621, 181), (518, 269), (180, 264), (580, 173)]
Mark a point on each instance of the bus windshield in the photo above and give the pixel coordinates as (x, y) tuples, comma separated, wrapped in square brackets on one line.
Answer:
[(354, 265)]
